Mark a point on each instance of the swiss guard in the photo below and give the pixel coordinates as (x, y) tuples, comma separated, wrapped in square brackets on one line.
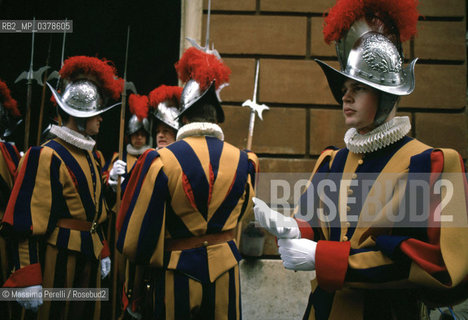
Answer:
[(183, 203), (57, 206), (379, 245), (165, 101), (138, 136)]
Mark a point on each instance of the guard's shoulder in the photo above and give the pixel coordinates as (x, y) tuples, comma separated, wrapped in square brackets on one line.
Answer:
[(252, 156)]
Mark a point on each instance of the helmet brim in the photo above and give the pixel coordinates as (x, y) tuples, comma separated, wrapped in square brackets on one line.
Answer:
[(337, 78), (77, 113)]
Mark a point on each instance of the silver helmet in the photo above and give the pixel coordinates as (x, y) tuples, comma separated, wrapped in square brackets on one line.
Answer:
[(192, 94), (135, 124), (369, 57), (167, 112), (81, 99)]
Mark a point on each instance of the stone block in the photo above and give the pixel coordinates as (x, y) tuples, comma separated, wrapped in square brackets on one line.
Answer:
[(271, 35), (441, 130), (440, 40), (282, 130), (446, 8), (286, 165), (326, 128), (438, 86), (294, 81), (236, 125), (241, 81), (227, 5), (316, 6), (318, 47)]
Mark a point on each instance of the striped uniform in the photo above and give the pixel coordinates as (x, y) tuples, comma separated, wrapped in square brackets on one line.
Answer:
[(9, 158), (365, 270), (57, 181), (130, 159), (196, 186)]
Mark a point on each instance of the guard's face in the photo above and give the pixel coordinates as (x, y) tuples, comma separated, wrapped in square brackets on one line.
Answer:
[(138, 139), (165, 135), (360, 103), (92, 125)]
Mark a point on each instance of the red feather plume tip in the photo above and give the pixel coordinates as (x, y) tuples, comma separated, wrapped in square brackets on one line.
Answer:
[(102, 69), (138, 105), (53, 101), (202, 67), (7, 100), (401, 13), (163, 93)]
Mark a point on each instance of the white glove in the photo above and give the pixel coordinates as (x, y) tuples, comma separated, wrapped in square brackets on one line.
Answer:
[(113, 183), (281, 226), (297, 254), (32, 291), (118, 169), (134, 314), (105, 267)]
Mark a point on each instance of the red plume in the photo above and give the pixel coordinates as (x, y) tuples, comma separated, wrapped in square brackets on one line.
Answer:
[(163, 93), (103, 70), (138, 105), (402, 14), (8, 102), (52, 99), (202, 67)]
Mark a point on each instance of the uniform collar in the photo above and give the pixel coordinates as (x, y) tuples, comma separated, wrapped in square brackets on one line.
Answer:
[(200, 129), (73, 137), (379, 138), (136, 152)]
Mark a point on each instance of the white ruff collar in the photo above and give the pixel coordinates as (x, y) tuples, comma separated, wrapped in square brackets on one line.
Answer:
[(136, 152), (382, 136), (200, 129), (73, 137)]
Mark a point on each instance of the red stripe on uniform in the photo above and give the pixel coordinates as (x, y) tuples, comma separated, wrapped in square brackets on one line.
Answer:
[(130, 191), (211, 182), (8, 217), (426, 255), (9, 161), (188, 191), (105, 252), (465, 183)]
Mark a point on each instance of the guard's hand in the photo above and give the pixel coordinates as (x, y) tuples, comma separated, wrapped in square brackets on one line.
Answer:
[(32, 291), (281, 226), (118, 169), (105, 267), (298, 254), (113, 183)]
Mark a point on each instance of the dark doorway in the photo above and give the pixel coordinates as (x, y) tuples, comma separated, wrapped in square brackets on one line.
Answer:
[(99, 29)]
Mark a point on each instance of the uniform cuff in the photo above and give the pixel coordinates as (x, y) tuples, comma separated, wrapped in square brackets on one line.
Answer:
[(105, 252), (306, 230), (25, 277), (331, 264)]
